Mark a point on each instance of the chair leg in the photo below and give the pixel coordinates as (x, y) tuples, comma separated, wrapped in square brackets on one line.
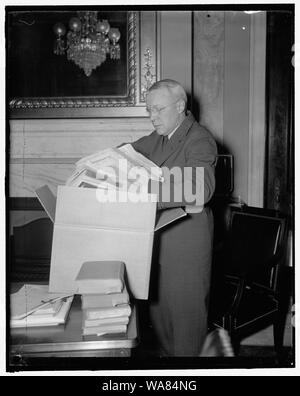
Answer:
[(278, 333), (285, 287), (229, 325), (228, 322)]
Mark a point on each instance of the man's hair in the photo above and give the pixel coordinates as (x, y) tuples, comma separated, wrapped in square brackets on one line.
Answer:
[(174, 88)]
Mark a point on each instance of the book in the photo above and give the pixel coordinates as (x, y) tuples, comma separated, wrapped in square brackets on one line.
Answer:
[(100, 277), (104, 321), (104, 300), (31, 298), (105, 329), (101, 313), (35, 320)]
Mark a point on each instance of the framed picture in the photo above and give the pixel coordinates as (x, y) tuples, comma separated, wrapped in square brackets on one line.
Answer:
[(42, 84)]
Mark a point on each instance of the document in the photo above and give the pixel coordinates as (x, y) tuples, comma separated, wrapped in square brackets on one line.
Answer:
[(105, 329), (36, 320), (105, 300), (105, 321), (111, 167), (31, 298), (102, 313)]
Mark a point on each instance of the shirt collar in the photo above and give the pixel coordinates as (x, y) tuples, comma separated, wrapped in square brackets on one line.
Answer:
[(184, 126), (172, 133)]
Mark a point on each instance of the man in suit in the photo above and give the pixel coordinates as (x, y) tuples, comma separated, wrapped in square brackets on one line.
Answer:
[(178, 312)]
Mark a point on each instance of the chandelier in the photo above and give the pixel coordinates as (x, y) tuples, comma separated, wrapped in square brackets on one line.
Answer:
[(88, 42)]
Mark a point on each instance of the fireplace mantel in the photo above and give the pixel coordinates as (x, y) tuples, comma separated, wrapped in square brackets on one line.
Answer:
[(44, 151)]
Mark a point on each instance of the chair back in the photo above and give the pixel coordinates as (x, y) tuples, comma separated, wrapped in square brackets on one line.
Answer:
[(30, 251), (256, 244), (34, 239), (224, 175)]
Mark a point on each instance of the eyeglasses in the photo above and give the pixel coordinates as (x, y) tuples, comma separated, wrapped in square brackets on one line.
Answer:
[(158, 110)]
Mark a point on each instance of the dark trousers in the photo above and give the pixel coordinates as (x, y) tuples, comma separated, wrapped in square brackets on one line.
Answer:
[(178, 310)]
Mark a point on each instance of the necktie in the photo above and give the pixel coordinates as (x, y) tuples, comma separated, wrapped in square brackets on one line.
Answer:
[(165, 141)]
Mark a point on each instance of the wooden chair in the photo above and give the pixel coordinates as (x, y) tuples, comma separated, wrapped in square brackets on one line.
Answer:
[(245, 295), (30, 251)]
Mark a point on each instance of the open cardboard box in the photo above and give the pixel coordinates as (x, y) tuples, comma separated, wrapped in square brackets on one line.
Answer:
[(88, 230)]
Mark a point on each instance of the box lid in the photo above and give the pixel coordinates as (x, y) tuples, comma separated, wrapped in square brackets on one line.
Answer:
[(80, 207), (47, 200)]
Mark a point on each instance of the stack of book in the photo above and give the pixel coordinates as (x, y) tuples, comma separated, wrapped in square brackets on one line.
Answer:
[(105, 300), (32, 305)]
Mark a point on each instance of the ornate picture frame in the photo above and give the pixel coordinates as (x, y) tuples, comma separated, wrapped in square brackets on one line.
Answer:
[(142, 69)]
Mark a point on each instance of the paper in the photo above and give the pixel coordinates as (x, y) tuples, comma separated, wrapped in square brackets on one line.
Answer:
[(102, 313), (105, 329), (83, 178), (114, 169), (49, 309), (137, 159), (106, 321), (30, 298), (104, 300), (35, 320)]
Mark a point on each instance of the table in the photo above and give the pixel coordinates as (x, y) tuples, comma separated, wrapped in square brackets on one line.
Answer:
[(67, 340)]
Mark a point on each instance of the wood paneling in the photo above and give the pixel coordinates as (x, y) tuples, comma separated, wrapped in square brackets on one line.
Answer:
[(208, 74), (229, 94), (257, 106), (176, 47), (279, 170), (236, 96)]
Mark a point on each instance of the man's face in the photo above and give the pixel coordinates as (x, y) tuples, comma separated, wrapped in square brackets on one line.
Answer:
[(163, 111)]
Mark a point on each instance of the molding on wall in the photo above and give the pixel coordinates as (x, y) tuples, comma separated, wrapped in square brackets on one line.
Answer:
[(45, 151), (257, 133), (78, 125), (71, 139), (38, 160)]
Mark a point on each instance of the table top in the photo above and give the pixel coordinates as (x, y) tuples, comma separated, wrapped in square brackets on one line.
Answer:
[(68, 337)]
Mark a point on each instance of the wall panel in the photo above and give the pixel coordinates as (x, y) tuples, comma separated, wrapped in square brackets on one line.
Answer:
[(208, 76)]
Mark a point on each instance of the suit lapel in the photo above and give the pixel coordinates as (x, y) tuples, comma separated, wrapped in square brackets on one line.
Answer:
[(176, 140)]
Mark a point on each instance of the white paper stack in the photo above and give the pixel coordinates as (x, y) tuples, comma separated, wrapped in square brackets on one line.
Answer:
[(114, 168), (105, 299), (32, 305)]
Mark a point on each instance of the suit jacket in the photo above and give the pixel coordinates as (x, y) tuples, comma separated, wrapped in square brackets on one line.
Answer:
[(180, 277), (192, 146)]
